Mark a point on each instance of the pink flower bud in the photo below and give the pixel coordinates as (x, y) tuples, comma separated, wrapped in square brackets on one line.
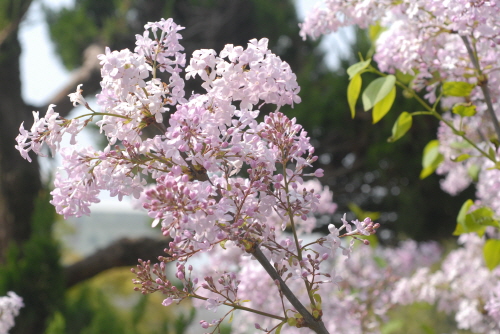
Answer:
[(167, 302), (319, 172)]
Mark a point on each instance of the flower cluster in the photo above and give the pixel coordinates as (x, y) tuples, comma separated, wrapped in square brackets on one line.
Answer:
[(463, 286), (438, 42), (444, 44), (222, 175), (9, 309), (357, 303)]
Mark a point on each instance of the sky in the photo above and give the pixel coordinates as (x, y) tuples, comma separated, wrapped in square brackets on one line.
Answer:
[(42, 73)]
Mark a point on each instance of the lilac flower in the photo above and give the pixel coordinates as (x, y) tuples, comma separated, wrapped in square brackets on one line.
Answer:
[(77, 97), (199, 194), (9, 309), (213, 304)]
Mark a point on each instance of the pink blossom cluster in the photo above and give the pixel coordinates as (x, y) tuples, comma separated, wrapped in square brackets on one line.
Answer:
[(430, 39), (9, 309), (463, 286), (222, 177), (358, 301)]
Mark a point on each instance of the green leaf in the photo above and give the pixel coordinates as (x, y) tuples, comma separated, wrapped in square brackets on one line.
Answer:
[(457, 88), (461, 157), (401, 127), (495, 142), (392, 326), (382, 108), (431, 152), (473, 172), (377, 90), (353, 91), (475, 221), (458, 230), (404, 77), (479, 219), (231, 318), (426, 172), (360, 214), (491, 252), (317, 298), (291, 322), (380, 261), (492, 153), (278, 330), (464, 109), (374, 31), (463, 211), (431, 159), (358, 67)]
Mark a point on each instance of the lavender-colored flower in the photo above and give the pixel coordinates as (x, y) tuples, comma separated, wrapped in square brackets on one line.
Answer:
[(9, 309)]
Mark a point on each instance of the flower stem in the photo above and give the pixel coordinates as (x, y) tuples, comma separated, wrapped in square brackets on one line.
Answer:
[(243, 308)]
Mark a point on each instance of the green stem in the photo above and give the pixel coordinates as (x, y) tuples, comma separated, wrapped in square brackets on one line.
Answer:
[(432, 111), (102, 114), (455, 131)]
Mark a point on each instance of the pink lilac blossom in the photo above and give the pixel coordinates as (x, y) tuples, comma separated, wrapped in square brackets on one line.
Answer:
[(360, 303), (493, 304), (425, 38), (463, 286), (9, 309), (222, 176), (488, 187), (49, 130)]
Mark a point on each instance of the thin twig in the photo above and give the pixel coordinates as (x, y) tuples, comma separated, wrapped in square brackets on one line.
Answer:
[(483, 83)]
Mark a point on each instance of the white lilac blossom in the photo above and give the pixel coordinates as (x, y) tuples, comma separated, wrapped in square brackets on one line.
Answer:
[(9, 309)]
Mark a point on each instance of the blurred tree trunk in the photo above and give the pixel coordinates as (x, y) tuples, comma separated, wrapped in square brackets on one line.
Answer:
[(19, 180)]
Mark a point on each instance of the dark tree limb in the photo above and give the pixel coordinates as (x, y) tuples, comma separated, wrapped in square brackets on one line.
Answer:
[(16, 10), (121, 253), (315, 324), (19, 180)]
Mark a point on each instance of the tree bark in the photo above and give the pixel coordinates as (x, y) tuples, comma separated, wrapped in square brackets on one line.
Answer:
[(19, 180), (124, 252)]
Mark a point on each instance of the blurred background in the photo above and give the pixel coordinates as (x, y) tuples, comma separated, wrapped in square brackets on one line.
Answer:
[(67, 271)]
